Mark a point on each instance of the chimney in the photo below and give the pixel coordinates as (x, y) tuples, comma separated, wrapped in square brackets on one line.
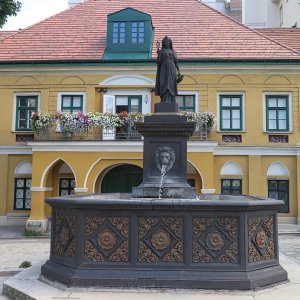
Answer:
[(74, 2)]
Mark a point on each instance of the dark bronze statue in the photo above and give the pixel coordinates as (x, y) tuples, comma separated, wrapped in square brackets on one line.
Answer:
[(168, 74)]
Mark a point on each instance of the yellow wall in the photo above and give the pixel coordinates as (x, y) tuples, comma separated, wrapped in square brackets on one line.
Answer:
[(89, 167)]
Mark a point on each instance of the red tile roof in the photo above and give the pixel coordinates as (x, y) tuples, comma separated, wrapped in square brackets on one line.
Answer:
[(5, 34), (286, 36), (197, 31)]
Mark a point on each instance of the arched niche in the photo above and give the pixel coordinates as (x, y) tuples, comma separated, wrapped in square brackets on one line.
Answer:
[(23, 168), (231, 79), (72, 80), (277, 79), (27, 80), (232, 169), (277, 169), (129, 79), (188, 80)]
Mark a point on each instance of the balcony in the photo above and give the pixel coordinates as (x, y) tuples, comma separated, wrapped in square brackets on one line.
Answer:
[(96, 126), (124, 133)]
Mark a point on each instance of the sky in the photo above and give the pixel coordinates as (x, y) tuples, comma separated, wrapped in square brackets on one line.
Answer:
[(33, 11)]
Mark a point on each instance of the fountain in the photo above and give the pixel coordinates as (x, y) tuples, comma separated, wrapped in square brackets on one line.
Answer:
[(163, 234)]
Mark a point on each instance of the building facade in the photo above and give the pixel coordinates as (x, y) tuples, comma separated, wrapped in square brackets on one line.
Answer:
[(271, 13), (100, 57)]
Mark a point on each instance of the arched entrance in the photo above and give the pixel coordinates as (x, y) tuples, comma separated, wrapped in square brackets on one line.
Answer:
[(121, 179), (193, 177)]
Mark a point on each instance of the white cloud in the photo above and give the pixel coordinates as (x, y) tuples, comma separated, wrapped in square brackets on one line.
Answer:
[(34, 11)]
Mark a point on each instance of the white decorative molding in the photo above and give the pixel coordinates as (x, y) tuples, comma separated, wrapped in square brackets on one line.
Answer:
[(137, 146), (41, 189), (278, 169), (81, 190), (257, 150), (24, 167), (51, 165), (201, 146), (126, 80), (208, 191), (231, 168), (23, 150), (88, 146)]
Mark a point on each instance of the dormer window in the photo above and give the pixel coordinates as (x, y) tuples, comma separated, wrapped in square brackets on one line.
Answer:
[(119, 31), (137, 32), (129, 35)]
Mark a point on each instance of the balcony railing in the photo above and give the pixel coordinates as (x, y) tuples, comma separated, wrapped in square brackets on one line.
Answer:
[(128, 133)]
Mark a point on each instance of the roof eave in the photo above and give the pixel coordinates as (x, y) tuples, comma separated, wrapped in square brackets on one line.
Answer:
[(152, 60)]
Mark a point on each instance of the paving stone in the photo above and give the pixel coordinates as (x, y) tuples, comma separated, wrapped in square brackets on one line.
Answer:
[(36, 250)]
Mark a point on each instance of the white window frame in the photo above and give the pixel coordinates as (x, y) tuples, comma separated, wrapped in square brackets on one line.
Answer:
[(145, 93), (13, 125), (60, 94), (290, 96), (235, 93), (192, 93)]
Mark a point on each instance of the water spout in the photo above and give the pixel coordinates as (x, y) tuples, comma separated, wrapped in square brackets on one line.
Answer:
[(163, 172)]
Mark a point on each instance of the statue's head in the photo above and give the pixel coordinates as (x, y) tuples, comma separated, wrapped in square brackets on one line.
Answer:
[(167, 43), (164, 156)]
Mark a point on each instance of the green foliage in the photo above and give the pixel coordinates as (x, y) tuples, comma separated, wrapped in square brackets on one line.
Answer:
[(32, 233), (8, 8), (25, 264)]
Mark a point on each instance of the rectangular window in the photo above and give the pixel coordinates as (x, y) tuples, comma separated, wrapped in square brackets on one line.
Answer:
[(128, 103), (119, 32), (186, 102), (231, 186), (137, 32), (277, 112), (71, 103), (231, 113), (279, 189), (22, 196), (26, 105), (66, 186)]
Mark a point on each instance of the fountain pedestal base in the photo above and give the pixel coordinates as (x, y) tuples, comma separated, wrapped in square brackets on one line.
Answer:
[(227, 242)]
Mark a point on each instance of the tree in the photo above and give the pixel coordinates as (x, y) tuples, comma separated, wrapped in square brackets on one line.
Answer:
[(8, 8)]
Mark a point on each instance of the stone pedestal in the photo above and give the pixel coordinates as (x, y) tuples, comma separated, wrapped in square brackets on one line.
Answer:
[(165, 133), (165, 107)]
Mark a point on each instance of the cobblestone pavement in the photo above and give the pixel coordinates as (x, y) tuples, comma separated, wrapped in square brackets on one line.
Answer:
[(289, 245), (14, 251)]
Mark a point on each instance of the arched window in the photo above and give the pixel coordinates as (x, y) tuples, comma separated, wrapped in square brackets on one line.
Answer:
[(231, 179), (22, 185), (278, 184)]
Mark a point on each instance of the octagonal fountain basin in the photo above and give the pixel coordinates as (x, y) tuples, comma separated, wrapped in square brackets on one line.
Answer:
[(212, 242)]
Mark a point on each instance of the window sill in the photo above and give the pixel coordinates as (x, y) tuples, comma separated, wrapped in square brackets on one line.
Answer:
[(231, 131), (278, 132)]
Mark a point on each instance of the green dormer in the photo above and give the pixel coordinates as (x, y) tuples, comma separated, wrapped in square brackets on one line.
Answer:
[(129, 35)]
